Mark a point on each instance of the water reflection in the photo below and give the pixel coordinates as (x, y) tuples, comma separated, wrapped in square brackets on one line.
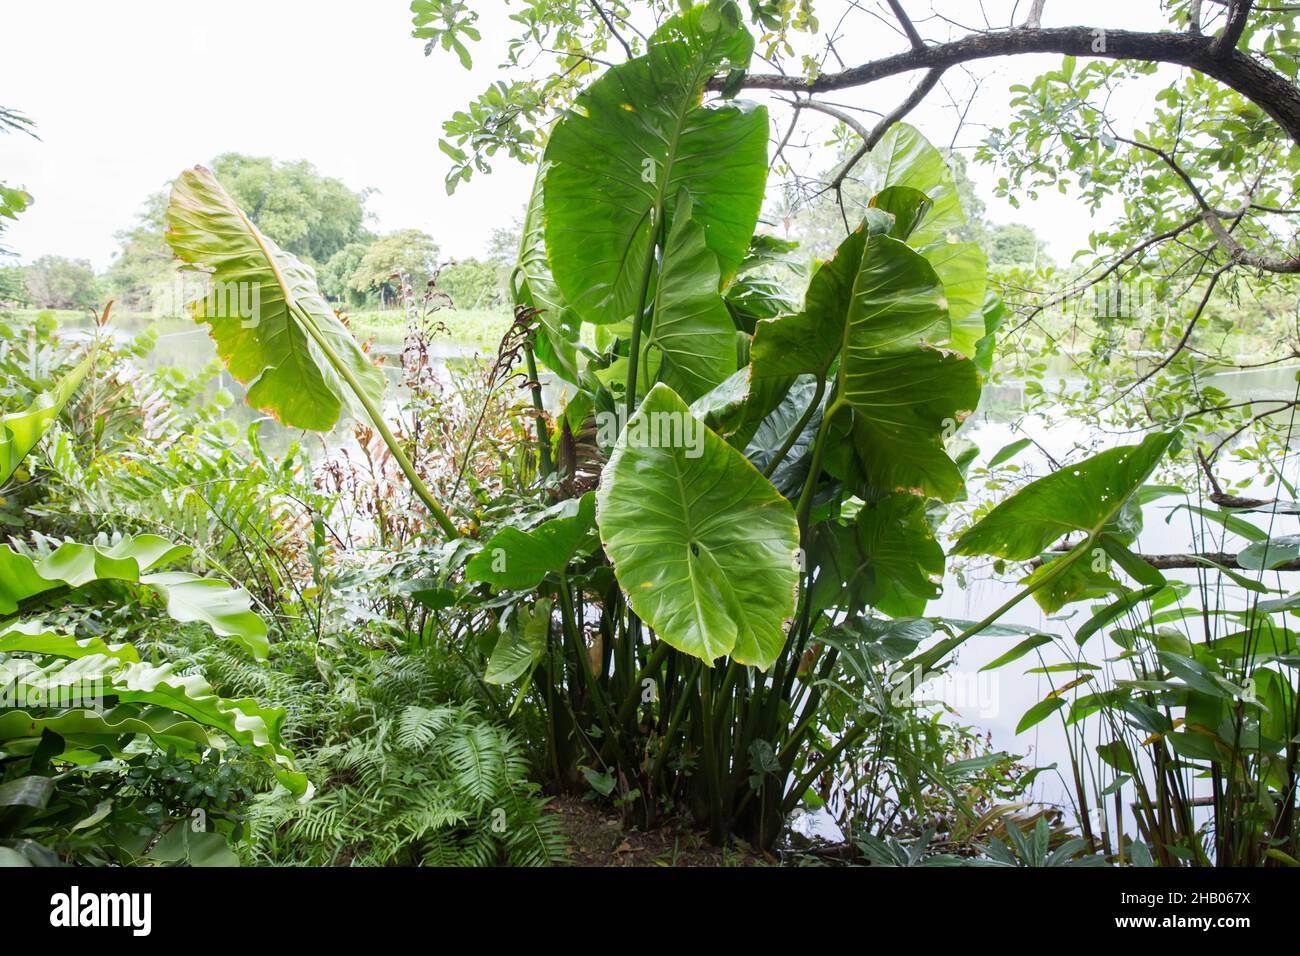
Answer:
[(183, 345), (1167, 528)]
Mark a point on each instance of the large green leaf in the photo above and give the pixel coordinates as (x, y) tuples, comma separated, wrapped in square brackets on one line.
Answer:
[(226, 610), (904, 157), (189, 597), (1263, 555), (628, 146), (21, 799), (1055, 587), (74, 565), (1092, 498), (882, 309), (737, 408), (244, 721), (518, 560), (692, 328), (908, 206), (808, 342), (886, 559), (34, 637), (702, 544), (907, 395), (279, 352), (897, 303), (183, 844), (1080, 498), (755, 293), (520, 646), (723, 408), (770, 436), (89, 728), (20, 431)]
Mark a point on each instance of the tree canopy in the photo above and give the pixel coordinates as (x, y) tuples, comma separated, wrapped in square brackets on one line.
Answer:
[(314, 217), (406, 252), (55, 282)]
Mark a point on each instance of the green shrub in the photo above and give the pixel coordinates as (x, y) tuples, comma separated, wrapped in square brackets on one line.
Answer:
[(407, 772)]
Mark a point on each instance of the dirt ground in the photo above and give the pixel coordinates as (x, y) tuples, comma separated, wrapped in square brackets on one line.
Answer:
[(598, 839)]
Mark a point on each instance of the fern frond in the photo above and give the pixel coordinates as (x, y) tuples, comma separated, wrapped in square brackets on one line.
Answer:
[(419, 726), (477, 759)]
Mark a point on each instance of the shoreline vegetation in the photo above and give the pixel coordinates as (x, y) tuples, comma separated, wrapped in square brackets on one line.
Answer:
[(883, 541), (469, 328)]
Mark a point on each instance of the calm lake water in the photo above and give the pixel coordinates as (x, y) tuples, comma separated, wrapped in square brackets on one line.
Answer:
[(996, 700), (182, 344), (992, 701)]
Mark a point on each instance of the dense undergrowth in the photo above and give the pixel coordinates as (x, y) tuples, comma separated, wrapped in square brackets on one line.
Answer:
[(406, 758), (695, 592)]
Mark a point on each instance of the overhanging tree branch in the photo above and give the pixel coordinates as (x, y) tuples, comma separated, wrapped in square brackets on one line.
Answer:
[(1226, 41), (1195, 560), (1213, 218), (613, 31), (869, 140), (906, 22), (1267, 89)]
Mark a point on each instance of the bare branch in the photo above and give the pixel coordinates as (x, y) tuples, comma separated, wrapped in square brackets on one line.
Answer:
[(1226, 42), (612, 29), (848, 119), (913, 37), (785, 140), (869, 140)]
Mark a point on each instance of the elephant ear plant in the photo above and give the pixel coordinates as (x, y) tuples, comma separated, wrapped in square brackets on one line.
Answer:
[(773, 475), (271, 326)]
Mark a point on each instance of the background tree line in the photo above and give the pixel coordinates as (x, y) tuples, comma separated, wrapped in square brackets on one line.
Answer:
[(317, 218), (323, 222)]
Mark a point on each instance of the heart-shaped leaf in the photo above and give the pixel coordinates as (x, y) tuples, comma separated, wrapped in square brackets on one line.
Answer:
[(701, 543), (691, 328), (556, 340), (962, 267), (908, 396), (518, 560), (628, 146), (904, 157), (886, 559)]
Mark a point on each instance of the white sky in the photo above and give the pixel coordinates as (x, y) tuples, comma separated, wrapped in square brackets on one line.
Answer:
[(125, 95)]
